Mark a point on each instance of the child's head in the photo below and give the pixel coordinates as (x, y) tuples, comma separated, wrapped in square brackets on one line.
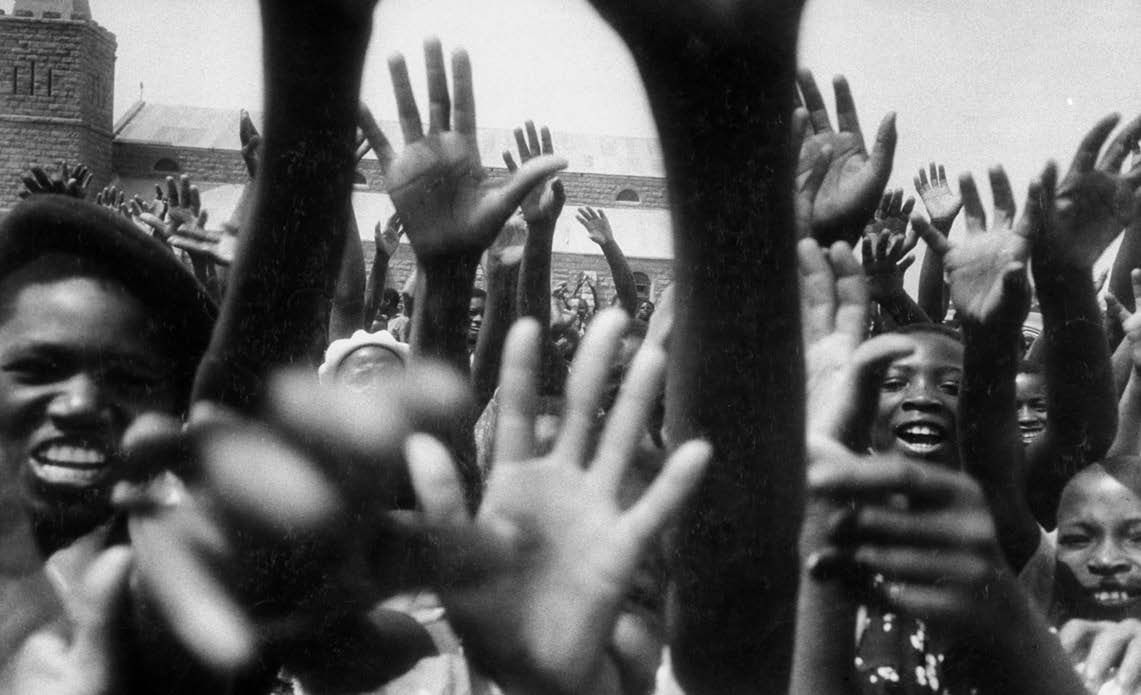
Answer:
[(1099, 541), (1030, 399), (919, 397)]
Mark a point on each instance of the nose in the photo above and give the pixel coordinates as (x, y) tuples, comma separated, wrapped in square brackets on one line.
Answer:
[(922, 400), (80, 405), (1025, 414), (1108, 561)]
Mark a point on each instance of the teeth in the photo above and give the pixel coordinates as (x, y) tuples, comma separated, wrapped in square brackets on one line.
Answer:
[(1111, 596), (922, 431), (65, 455)]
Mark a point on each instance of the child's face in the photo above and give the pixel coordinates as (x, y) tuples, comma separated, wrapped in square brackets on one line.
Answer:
[(918, 402), (1030, 399), (1099, 547)]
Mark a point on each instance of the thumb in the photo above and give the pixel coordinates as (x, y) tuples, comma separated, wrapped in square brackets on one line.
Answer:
[(498, 205), (883, 149), (96, 609)]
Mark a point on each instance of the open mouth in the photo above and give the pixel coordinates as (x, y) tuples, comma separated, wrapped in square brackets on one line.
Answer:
[(1114, 597), (69, 462), (1030, 431), (921, 438)]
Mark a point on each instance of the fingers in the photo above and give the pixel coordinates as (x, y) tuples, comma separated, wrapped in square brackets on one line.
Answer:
[(817, 291), (1076, 637), (435, 480), (800, 129), (587, 382), (1003, 198), (813, 101), (846, 117), (889, 475), (439, 103), (905, 263), (533, 138), (663, 500), (972, 204), (1106, 652), (499, 204), (626, 421), (463, 92), (1120, 146), (851, 289), (376, 137), (406, 108), (1135, 279), (95, 612), (919, 565), (509, 161), (1091, 144), (1039, 203), (883, 149), (921, 181), (934, 239), (1128, 676), (518, 394), (197, 608)]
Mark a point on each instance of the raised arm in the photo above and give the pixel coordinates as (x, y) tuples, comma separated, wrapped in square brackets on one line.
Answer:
[(347, 313), (987, 273), (541, 209), (1093, 203), (387, 240), (943, 205), (1127, 442), (598, 228), (501, 274), (449, 211), (887, 241), (1129, 253), (276, 309), (730, 169)]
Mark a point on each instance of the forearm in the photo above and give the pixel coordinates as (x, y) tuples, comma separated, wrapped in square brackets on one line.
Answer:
[(1128, 439), (932, 288), (624, 285), (988, 425), (440, 321), (903, 309), (276, 309), (824, 653), (348, 298), (377, 278), (497, 319), (1128, 257), (1121, 363), (736, 345), (1081, 413), (535, 275)]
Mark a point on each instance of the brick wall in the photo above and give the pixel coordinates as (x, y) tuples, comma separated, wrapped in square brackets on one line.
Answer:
[(56, 88), (137, 160)]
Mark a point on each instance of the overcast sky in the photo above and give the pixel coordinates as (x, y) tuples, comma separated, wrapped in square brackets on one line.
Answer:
[(974, 81)]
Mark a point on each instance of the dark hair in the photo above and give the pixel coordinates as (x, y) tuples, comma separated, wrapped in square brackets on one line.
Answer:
[(389, 297), (1030, 367)]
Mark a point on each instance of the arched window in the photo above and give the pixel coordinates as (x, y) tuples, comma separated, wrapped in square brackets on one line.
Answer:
[(359, 179), (627, 195), (166, 164), (642, 284)]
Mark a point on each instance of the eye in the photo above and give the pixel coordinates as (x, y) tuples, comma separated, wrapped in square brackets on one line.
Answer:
[(951, 388), (36, 370), (1073, 539), (893, 383)]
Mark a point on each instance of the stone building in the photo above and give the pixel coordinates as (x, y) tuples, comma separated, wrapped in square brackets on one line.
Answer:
[(59, 67)]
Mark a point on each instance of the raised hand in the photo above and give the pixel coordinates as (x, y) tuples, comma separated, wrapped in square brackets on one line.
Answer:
[(1103, 652), (217, 245), (437, 183), (85, 662), (834, 312), (1095, 201), (942, 203), (387, 236), (808, 186), (67, 181), (886, 243), (251, 143), (544, 202), (855, 178), (507, 249), (113, 199), (536, 608), (596, 224), (1130, 321), (987, 268)]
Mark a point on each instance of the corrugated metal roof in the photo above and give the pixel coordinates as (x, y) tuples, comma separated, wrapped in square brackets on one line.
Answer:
[(196, 126), (641, 233)]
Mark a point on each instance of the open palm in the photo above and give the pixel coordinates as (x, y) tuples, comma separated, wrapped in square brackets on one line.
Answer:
[(437, 183), (536, 605), (855, 178), (986, 268)]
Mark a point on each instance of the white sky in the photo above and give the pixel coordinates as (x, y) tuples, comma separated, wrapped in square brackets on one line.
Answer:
[(974, 82)]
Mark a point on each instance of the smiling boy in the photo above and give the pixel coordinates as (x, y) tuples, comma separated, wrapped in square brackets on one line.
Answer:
[(99, 323)]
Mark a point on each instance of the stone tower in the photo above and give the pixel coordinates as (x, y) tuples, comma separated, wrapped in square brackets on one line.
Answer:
[(57, 82)]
